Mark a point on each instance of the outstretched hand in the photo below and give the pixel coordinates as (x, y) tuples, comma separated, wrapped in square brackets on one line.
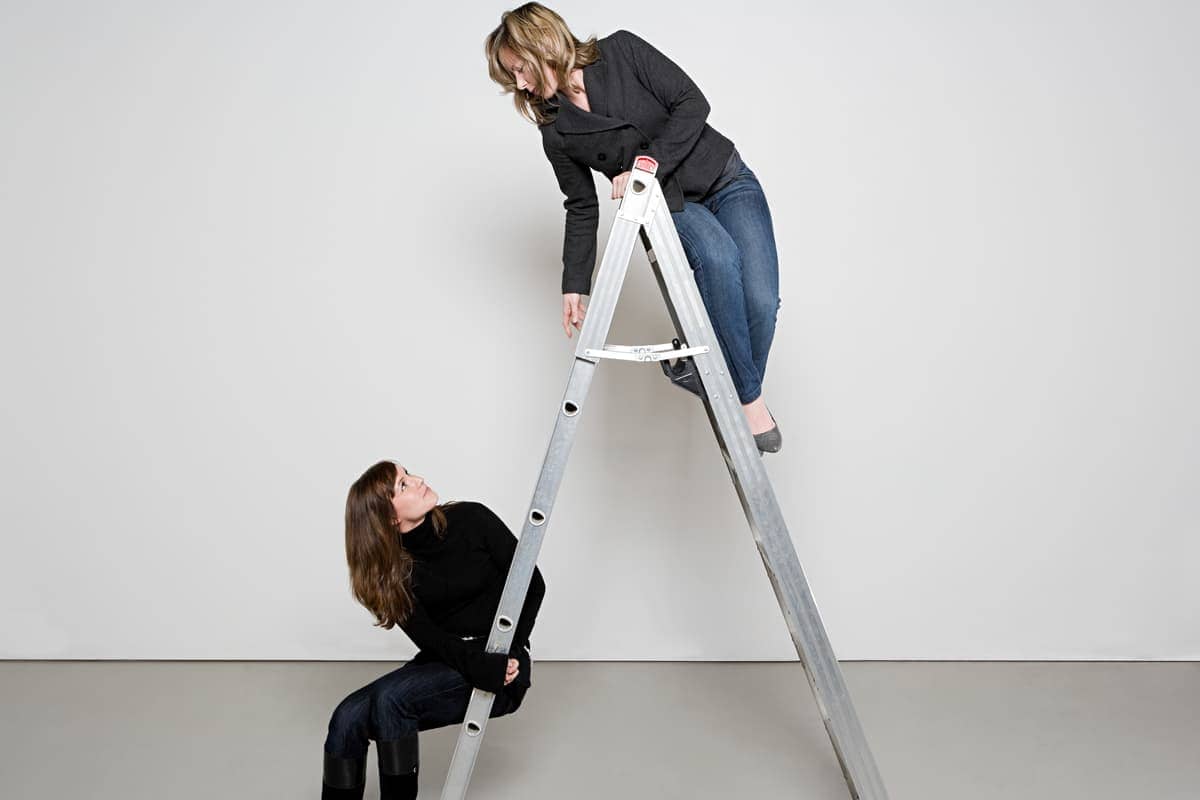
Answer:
[(573, 312)]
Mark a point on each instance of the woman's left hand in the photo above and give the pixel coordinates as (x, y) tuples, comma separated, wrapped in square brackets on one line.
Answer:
[(619, 185), (514, 669)]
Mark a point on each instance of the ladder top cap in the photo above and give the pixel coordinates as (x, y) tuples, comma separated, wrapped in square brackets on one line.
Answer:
[(645, 164)]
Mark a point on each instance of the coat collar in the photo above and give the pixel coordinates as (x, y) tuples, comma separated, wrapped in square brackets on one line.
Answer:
[(573, 119)]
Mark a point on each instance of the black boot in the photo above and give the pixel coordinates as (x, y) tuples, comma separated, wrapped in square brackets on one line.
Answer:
[(344, 778), (399, 760)]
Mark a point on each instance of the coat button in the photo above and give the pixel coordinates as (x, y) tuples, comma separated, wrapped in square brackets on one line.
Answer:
[(601, 156), (644, 145)]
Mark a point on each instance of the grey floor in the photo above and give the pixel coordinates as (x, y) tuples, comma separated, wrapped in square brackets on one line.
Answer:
[(185, 730)]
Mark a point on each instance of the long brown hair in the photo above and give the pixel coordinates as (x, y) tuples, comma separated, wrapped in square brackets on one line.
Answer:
[(540, 38), (380, 567)]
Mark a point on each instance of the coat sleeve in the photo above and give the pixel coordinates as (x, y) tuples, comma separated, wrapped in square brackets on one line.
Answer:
[(686, 105), (481, 669), (583, 215), (502, 546)]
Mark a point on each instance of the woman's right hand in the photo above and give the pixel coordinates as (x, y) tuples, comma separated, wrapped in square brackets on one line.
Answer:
[(573, 312), (513, 670)]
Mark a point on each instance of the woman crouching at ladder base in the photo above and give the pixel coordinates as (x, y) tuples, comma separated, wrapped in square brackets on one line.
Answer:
[(438, 572), (601, 103)]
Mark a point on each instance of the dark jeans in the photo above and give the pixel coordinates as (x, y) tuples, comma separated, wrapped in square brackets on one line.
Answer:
[(415, 697), (730, 244)]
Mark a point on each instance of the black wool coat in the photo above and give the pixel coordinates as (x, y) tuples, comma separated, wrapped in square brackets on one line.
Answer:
[(642, 104)]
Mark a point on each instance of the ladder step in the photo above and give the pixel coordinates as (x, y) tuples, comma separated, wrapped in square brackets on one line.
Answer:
[(645, 352)]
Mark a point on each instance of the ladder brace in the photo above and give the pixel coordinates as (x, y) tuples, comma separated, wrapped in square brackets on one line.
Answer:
[(644, 352)]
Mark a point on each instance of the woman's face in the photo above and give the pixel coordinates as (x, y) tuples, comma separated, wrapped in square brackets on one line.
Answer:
[(523, 73), (411, 498)]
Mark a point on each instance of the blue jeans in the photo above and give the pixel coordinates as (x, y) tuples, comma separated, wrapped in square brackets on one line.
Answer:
[(730, 245), (415, 697)]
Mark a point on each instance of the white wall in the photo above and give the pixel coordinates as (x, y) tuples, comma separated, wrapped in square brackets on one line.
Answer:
[(249, 249)]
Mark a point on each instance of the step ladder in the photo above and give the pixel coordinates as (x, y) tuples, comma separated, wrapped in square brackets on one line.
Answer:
[(643, 212)]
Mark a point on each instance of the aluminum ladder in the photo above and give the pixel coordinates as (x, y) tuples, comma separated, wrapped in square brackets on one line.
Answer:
[(643, 212)]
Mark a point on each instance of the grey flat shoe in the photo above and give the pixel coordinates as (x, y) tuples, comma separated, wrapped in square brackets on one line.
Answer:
[(769, 441)]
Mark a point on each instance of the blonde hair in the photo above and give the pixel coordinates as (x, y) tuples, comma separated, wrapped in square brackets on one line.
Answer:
[(540, 38)]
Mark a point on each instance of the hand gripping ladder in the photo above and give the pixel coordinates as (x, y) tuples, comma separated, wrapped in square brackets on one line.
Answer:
[(644, 212)]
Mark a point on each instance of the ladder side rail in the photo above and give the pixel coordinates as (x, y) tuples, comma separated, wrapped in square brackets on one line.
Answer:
[(762, 510), (516, 585), (605, 292)]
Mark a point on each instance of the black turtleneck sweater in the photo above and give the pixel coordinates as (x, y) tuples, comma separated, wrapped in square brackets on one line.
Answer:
[(457, 582)]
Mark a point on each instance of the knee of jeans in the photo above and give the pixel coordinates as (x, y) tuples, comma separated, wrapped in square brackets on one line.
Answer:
[(724, 257), (762, 305), (713, 253), (351, 716), (389, 702)]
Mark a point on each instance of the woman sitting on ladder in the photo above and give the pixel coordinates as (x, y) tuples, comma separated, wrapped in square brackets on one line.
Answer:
[(601, 103), (438, 572)]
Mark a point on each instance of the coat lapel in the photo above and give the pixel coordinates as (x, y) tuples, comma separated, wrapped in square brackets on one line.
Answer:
[(573, 119), (595, 83)]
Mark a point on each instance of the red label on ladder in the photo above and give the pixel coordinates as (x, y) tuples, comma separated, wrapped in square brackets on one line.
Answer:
[(646, 164)]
